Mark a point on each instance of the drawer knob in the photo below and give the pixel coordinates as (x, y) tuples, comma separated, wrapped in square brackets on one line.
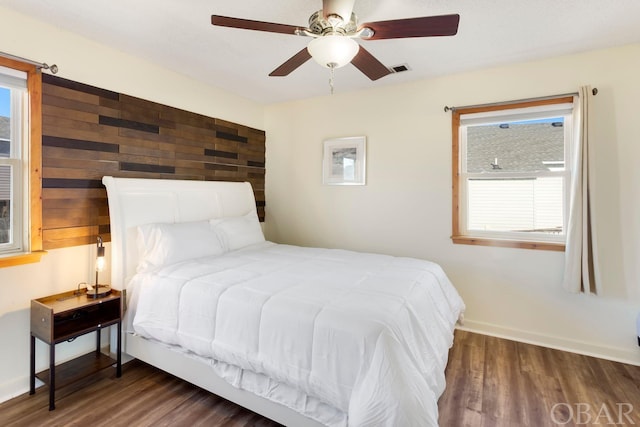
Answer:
[(44, 320)]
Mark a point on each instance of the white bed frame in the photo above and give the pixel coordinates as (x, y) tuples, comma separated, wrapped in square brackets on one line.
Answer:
[(134, 202)]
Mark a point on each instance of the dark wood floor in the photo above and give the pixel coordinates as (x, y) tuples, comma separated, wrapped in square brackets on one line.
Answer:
[(497, 382), (490, 382)]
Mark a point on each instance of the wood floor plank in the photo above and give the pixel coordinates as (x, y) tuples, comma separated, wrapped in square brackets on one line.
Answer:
[(491, 382), (502, 400), (466, 374)]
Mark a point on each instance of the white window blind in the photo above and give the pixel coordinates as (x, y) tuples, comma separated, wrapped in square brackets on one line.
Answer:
[(13, 155)]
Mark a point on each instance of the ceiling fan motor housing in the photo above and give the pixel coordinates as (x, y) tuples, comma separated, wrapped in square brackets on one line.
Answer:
[(333, 24)]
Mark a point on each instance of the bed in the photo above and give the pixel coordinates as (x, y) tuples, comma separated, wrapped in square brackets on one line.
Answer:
[(303, 336)]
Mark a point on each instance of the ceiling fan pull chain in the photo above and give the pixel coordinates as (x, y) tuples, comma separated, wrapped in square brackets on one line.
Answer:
[(331, 79)]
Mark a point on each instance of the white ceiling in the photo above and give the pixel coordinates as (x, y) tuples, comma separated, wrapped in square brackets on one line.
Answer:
[(178, 35)]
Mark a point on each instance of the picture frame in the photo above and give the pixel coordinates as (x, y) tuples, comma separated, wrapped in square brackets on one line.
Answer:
[(344, 161)]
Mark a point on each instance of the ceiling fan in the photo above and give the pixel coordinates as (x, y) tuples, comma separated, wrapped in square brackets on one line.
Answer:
[(334, 29)]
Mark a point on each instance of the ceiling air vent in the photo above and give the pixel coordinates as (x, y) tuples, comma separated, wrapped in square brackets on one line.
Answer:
[(400, 68)]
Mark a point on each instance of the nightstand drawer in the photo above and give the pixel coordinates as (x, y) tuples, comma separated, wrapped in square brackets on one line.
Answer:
[(74, 322)]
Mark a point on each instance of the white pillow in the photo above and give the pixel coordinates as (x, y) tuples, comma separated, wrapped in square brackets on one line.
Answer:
[(238, 231), (164, 244)]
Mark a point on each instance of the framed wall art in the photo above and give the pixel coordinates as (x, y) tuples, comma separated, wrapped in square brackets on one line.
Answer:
[(344, 161)]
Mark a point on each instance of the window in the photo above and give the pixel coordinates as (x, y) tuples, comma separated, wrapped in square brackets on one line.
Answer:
[(511, 175), (13, 91), (20, 163)]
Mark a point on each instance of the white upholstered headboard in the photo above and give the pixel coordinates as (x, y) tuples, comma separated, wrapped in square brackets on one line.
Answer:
[(134, 201)]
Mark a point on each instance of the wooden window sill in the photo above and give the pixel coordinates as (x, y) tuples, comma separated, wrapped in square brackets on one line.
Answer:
[(25, 258), (545, 246)]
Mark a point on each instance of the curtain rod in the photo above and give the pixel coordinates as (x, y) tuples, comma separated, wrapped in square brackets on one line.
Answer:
[(53, 68), (594, 91)]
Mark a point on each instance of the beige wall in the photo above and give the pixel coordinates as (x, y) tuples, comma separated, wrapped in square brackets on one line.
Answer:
[(61, 270), (405, 208)]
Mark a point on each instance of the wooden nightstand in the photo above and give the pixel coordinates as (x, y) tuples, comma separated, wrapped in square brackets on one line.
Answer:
[(63, 317)]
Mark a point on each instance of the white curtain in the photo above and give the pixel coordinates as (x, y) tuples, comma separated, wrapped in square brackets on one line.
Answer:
[(581, 272)]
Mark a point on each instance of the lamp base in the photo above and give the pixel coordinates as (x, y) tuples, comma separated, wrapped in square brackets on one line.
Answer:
[(99, 291)]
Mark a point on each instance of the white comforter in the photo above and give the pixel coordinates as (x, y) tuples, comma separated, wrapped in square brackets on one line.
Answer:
[(367, 334)]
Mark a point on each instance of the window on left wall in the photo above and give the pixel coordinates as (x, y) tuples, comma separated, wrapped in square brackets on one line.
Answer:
[(13, 156), (20, 163)]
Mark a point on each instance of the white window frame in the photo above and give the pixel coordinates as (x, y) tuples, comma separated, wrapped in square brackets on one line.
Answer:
[(504, 113), (15, 81)]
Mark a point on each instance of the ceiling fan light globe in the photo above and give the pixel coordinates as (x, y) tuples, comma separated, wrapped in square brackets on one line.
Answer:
[(333, 51)]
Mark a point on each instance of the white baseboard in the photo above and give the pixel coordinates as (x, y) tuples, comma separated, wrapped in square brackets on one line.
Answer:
[(616, 354)]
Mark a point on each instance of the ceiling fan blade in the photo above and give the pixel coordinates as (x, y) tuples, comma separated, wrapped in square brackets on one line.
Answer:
[(342, 8), (428, 26), (248, 24), (369, 65), (291, 64)]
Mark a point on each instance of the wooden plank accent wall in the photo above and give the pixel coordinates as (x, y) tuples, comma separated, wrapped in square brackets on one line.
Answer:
[(90, 132)]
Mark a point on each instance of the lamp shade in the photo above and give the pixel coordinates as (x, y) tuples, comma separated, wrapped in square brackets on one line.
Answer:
[(99, 256), (333, 51), (99, 291), (100, 263)]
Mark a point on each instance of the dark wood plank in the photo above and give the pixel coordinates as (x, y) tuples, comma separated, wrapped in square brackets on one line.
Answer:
[(69, 93), (465, 407), (55, 81), (83, 116)]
